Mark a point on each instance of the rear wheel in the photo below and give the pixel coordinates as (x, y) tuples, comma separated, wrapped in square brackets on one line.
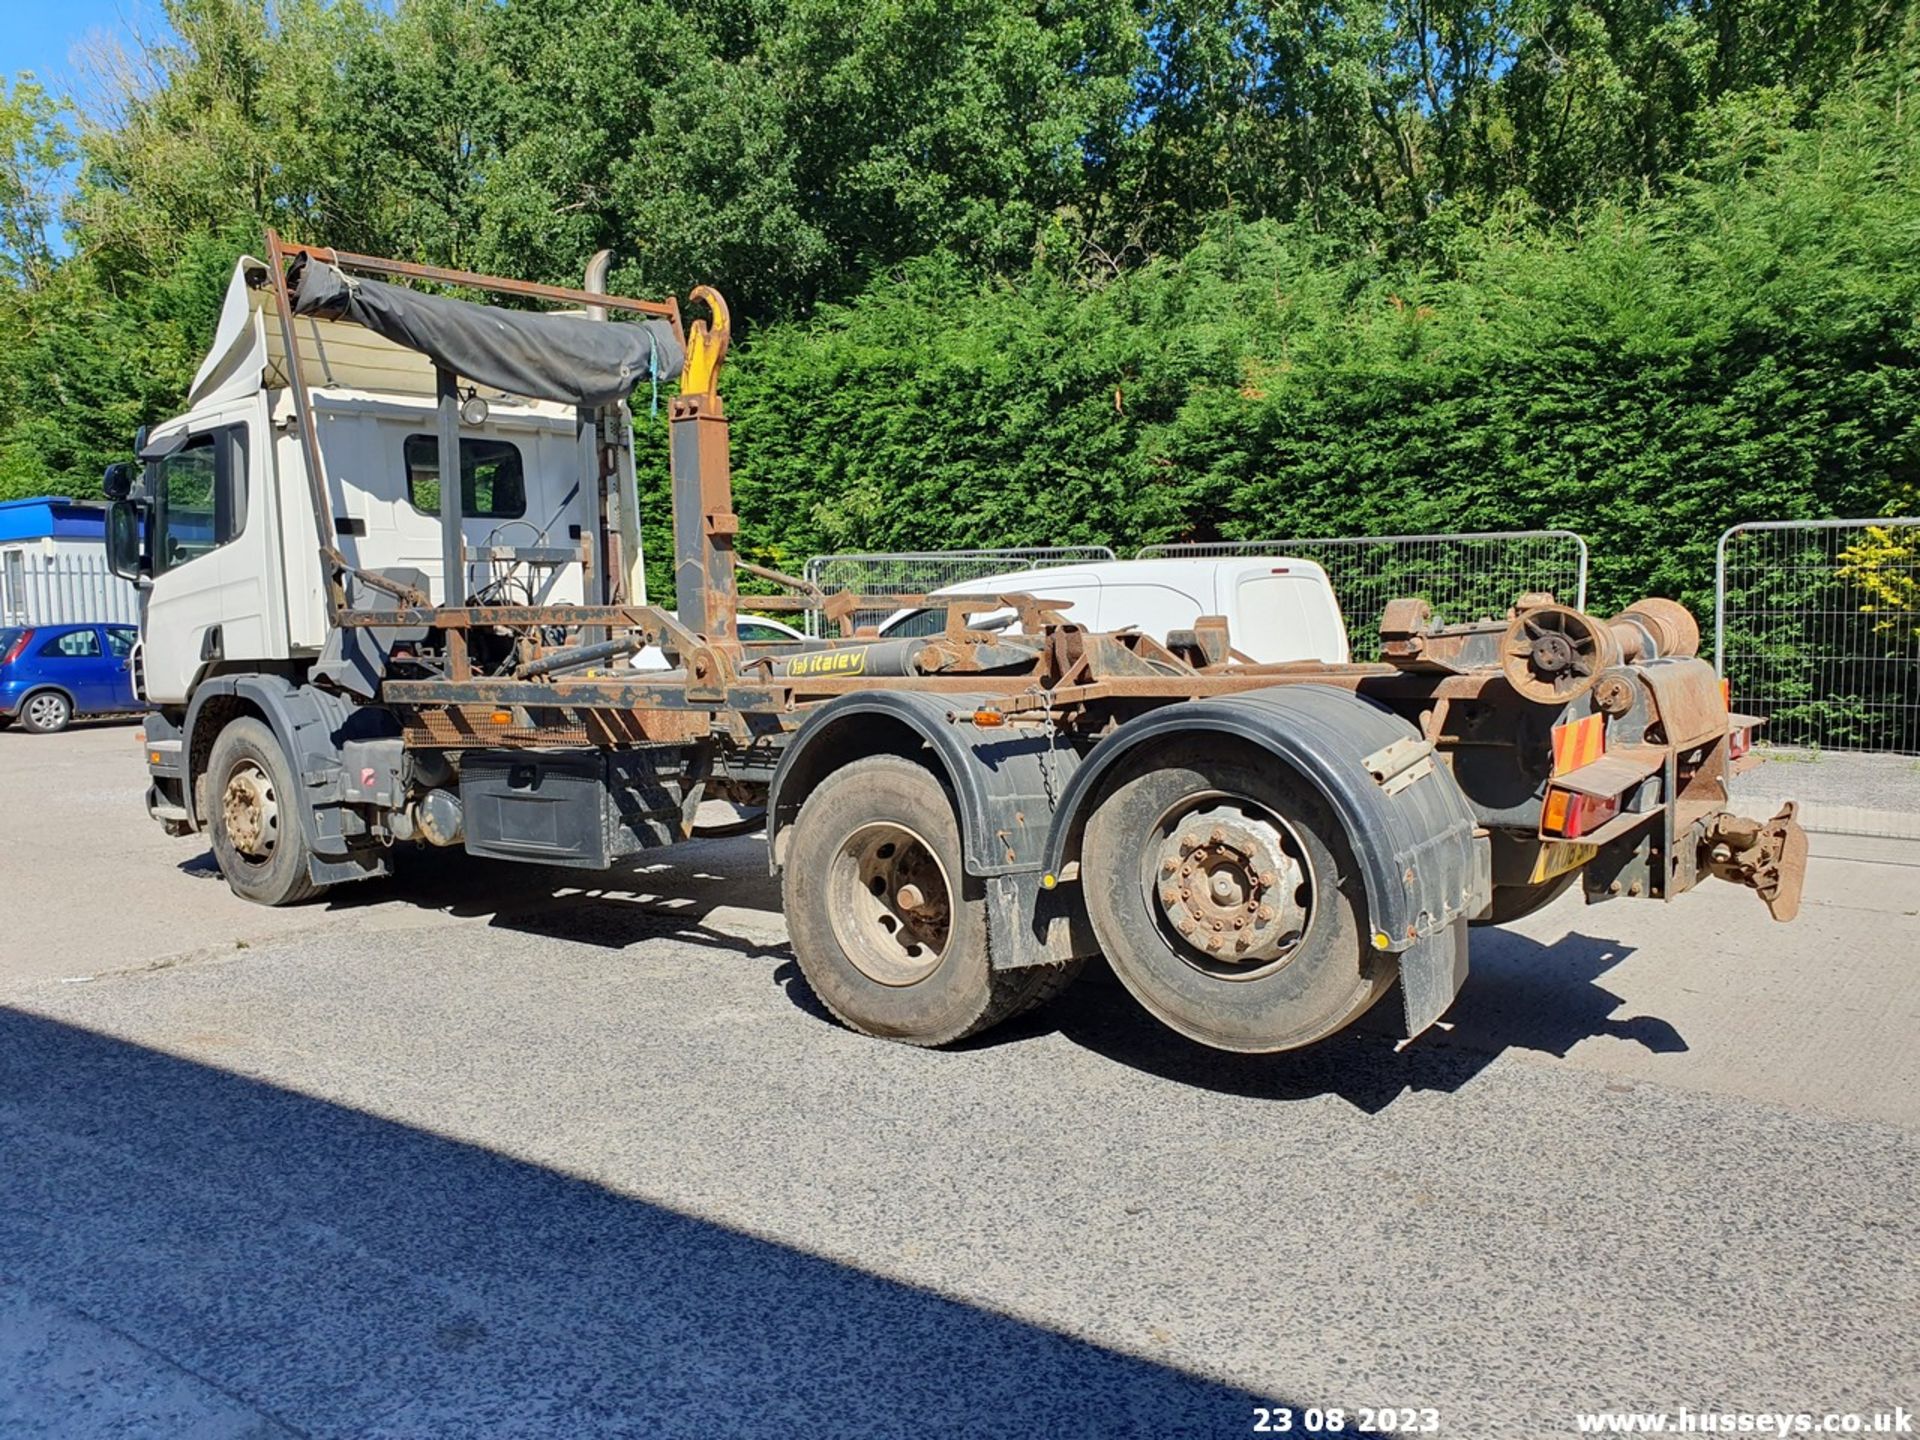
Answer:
[(888, 931), (45, 712), (1226, 898), (256, 834)]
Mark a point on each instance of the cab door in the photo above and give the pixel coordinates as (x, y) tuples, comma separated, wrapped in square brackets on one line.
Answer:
[(199, 505)]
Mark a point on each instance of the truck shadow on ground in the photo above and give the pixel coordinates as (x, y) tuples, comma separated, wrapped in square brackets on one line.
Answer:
[(1523, 995), (613, 910), (296, 1267)]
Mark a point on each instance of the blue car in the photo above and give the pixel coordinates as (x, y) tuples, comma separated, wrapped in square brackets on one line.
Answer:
[(51, 673)]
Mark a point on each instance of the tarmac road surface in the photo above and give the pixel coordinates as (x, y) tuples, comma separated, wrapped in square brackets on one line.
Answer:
[(485, 1152)]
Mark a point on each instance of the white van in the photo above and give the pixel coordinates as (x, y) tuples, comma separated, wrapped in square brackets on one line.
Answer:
[(1277, 608)]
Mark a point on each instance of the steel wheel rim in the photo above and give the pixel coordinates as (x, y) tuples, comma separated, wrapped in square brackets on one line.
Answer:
[(251, 811), (47, 710), (890, 903), (1275, 884)]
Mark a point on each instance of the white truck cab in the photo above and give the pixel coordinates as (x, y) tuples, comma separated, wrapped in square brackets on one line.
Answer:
[(1278, 609), (231, 550)]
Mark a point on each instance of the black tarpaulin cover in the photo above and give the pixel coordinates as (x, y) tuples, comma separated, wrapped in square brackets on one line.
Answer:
[(523, 352)]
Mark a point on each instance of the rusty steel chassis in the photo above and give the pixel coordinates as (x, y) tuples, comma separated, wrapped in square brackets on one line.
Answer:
[(1076, 680), (1076, 676)]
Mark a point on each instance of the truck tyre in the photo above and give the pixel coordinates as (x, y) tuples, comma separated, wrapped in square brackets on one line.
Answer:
[(888, 930), (46, 712), (1226, 897), (1049, 982), (257, 838)]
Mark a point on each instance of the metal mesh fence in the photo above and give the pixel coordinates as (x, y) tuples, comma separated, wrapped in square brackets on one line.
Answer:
[(1817, 628), (41, 589), (918, 572), (1463, 577)]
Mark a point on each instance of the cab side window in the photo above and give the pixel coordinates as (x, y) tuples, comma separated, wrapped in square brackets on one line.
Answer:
[(493, 482), (201, 497)]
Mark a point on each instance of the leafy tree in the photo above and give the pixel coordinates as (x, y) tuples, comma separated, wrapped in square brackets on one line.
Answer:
[(35, 147), (1024, 271)]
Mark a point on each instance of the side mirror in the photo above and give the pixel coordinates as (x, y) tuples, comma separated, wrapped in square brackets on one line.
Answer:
[(123, 540), (140, 439), (117, 483)]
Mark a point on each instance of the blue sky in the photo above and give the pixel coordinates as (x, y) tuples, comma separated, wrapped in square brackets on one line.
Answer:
[(38, 35)]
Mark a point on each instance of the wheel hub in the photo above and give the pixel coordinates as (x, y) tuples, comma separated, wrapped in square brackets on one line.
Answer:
[(1228, 887), (250, 811), (890, 904)]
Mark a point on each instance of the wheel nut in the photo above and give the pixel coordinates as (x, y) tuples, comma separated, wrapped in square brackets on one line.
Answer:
[(1219, 836), (1189, 842), (1183, 925), (1169, 865), (1169, 896), (908, 897), (1213, 942), (1265, 912), (1266, 877)]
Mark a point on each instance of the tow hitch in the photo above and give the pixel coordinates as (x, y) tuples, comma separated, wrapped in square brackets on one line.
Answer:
[(1770, 857)]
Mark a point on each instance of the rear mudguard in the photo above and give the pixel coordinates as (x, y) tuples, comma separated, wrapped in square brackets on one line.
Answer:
[(1004, 779), (1424, 872), (1023, 798)]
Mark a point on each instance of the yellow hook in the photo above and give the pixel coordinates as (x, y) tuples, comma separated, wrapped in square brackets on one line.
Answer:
[(706, 346)]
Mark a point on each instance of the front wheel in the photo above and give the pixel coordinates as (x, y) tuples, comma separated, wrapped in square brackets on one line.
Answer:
[(1226, 898), (256, 834), (889, 931)]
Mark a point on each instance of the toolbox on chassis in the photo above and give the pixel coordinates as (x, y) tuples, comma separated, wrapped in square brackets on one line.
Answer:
[(351, 655)]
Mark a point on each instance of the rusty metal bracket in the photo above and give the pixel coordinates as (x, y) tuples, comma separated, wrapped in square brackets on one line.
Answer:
[(1394, 767), (331, 561), (1206, 643), (1771, 857)]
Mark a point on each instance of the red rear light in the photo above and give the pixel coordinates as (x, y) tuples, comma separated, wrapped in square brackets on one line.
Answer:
[(13, 650), (1570, 814)]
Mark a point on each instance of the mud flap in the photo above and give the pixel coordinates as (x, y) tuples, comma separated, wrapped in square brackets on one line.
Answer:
[(1030, 925), (1432, 970)]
